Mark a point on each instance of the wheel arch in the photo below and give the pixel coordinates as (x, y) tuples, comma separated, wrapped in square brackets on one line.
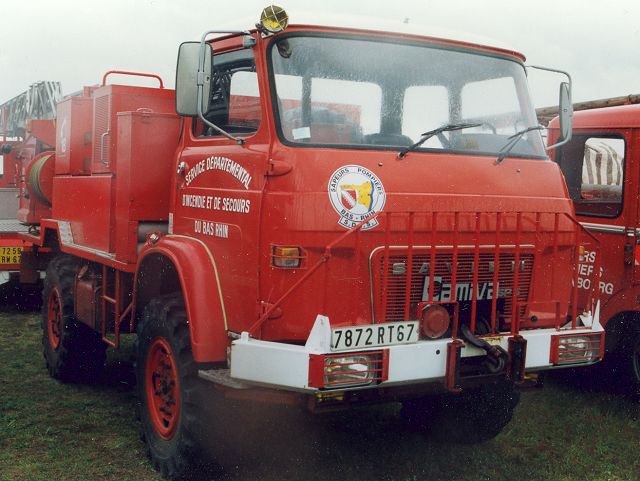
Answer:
[(184, 264)]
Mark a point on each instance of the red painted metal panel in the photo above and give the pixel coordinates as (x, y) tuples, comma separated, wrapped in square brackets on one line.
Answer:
[(619, 117), (73, 134), (44, 131), (109, 100), (218, 199), (86, 203), (202, 292), (145, 162)]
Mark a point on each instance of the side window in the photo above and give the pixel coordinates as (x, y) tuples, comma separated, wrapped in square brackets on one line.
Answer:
[(594, 169), (235, 100), (1, 165), (244, 100)]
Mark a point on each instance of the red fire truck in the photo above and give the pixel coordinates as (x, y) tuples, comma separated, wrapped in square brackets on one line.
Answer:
[(27, 132), (602, 177), (336, 216), (10, 246)]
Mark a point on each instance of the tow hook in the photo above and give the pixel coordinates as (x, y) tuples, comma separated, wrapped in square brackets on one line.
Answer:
[(497, 358)]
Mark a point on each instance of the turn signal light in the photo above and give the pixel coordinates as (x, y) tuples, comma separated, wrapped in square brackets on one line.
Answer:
[(435, 321), (286, 257)]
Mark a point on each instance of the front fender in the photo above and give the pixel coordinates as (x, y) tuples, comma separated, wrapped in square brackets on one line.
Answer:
[(197, 273)]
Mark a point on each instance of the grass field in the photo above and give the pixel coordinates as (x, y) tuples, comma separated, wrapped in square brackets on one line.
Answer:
[(51, 431)]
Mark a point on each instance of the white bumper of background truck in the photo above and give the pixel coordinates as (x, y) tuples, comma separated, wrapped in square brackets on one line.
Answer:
[(287, 366)]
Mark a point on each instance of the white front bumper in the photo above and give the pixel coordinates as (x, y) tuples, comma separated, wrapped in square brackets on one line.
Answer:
[(286, 366)]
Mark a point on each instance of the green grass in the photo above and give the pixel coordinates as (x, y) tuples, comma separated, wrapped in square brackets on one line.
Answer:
[(52, 431)]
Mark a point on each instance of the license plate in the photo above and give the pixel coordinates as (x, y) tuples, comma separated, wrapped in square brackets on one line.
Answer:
[(376, 335), (10, 255)]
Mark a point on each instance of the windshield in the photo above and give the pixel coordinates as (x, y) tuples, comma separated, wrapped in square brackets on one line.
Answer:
[(348, 92)]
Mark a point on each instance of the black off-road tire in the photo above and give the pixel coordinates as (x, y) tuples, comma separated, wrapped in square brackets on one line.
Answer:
[(632, 362), (163, 332), (72, 351), (621, 366), (470, 417)]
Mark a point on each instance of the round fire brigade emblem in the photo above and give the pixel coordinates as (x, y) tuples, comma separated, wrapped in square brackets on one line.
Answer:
[(356, 194)]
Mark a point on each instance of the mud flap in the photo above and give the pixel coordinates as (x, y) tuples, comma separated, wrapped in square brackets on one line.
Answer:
[(518, 356), (452, 375)]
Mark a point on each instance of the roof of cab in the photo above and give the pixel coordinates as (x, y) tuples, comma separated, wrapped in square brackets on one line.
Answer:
[(373, 24)]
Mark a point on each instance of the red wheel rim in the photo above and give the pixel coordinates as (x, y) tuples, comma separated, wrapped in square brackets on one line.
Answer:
[(54, 318), (163, 388)]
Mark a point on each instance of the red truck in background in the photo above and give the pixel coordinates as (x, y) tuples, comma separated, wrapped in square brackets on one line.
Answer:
[(28, 133), (334, 216), (10, 245), (602, 174)]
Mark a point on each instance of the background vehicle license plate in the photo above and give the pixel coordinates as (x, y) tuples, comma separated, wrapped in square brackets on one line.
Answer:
[(10, 255), (374, 335)]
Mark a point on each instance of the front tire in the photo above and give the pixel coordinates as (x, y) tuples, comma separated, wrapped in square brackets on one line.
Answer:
[(470, 417), (633, 361), (72, 351), (168, 388), (622, 365)]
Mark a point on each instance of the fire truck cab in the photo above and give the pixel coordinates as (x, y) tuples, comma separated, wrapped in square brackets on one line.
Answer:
[(601, 171), (335, 216)]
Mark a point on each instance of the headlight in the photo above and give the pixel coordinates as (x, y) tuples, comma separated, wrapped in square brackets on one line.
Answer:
[(331, 371), (576, 348)]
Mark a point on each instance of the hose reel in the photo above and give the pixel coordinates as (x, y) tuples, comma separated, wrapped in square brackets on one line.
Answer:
[(40, 180)]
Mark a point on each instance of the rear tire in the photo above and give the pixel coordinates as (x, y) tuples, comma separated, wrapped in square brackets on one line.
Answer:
[(470, 417), (169, 391), (72, 351)]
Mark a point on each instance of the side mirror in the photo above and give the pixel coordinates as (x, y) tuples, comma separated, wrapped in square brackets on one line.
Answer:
[(188, 72), (565, 113), (565, 108)]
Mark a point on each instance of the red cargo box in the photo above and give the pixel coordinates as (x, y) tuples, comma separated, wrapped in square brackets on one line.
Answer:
[(73, 134), (147, 144), (109, 100)]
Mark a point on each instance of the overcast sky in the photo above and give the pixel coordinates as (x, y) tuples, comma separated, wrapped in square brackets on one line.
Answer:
[(75, 42)]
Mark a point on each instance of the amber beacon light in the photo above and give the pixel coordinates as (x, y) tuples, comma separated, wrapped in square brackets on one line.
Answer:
[(274, 19)]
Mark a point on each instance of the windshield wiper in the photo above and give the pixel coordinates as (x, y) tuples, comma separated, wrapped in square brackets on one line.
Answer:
[(513, 140), (427, 135)]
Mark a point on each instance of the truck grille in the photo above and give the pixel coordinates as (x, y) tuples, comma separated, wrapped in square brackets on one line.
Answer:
[(397, 277)]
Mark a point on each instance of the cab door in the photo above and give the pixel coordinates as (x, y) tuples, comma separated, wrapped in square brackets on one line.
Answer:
[(221, 181), (598, 173)]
